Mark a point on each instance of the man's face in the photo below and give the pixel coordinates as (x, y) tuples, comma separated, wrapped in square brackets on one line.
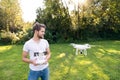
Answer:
[(41, 33)]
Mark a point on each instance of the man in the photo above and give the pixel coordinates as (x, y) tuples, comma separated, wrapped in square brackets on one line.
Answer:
[(38, 50)]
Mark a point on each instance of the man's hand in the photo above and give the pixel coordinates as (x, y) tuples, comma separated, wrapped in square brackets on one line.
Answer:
[(34, 62)]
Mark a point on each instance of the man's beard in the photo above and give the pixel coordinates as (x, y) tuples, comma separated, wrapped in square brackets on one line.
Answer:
[(40, 37)]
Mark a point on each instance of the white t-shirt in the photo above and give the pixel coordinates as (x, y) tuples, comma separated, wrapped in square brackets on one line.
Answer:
[(36, 49)]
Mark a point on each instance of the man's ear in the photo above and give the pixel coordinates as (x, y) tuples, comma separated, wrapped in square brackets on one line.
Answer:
[(36, 31)]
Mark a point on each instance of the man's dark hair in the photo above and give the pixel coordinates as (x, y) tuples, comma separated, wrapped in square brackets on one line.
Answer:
[(37, 26)]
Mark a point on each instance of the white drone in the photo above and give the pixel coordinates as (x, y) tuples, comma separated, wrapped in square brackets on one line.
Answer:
[(82, 48)]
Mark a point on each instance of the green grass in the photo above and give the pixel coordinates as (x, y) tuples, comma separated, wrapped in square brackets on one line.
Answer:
[(101, 63)]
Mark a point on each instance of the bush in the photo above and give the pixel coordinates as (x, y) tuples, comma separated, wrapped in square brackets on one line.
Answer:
[(8, 37), (24, 36)]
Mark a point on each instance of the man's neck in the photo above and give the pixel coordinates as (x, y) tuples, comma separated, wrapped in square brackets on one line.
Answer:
[(36, 39)]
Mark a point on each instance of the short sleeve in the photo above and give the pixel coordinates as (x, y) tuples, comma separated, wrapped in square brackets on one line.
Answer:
[(25, 47), (47, 44)]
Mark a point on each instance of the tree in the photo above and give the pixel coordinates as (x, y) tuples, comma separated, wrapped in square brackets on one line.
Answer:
[(10, 21), (100, 17), (11, 18), (56, 17), (95, 19)]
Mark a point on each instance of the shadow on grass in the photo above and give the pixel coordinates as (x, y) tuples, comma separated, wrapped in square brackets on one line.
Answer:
[(102, 63), (11, 65)]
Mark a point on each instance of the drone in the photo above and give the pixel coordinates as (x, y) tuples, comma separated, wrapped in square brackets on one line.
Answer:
[(81, 47)]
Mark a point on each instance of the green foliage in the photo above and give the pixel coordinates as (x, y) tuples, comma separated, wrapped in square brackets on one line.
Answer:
[(56, 18), (96, 19), (10, 15), (27, 35), (12, 38), (8, 37)]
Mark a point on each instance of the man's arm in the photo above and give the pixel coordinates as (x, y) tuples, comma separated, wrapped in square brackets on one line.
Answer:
[(48, 54), (25, 59)]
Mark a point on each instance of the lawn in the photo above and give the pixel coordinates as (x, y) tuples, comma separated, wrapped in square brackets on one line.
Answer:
[(101, 63)]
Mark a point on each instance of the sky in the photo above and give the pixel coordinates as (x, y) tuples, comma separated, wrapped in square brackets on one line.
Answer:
[(29, 9)]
